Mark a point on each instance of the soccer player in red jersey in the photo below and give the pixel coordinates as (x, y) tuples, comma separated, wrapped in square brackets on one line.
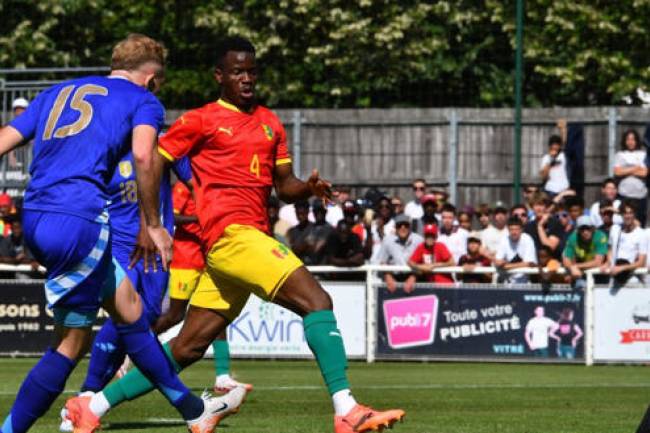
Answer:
[(238, 154)]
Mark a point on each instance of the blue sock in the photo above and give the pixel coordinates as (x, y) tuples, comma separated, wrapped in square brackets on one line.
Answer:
[(40, 388), (106, 357), (148, 355)]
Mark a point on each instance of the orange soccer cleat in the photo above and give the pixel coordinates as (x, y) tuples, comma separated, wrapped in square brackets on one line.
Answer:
[(364, 419), (216, 409), (79, 413)]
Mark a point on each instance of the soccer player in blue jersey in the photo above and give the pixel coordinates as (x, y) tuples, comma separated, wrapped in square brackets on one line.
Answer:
[(81, 128)]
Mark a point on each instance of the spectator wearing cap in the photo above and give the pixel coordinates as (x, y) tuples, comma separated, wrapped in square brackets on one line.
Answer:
[(544, 229), (492, 235), (430, 255), (471, 260), (321, 232), (413, 209), (301, 236), (628, 246), (453, 236), (553, 168), (586, 248), (517, 250), (19, 105), (430, 207), (335, 208), (631, 171), (608, 191), (396, 250), (277, 226), (343, 248), (13, 250)]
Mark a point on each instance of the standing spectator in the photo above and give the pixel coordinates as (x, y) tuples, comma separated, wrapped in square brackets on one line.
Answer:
[(321, 232), (585, 249), (398, 206), (608, 191), (627, 247), (430, 255), (454, 237), (520, 211), (14, 251), (429, 206), (471, 260), (413, 208), (343, 247), (492, 235), (631, 171), (383, 224), (517, 250), (544, 229), (396, 250), (553, 168), (301, 236), (335, 208), (277, 226)]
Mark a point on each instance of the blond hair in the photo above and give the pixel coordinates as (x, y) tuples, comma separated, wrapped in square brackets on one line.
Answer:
[(136, 50)]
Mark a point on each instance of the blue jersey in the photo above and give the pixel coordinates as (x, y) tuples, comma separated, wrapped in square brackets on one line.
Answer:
[(81, 129), (123, 209)]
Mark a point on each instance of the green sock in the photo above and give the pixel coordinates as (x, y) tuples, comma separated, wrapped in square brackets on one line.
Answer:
[(325, 342), (134, 384), (221, 357)]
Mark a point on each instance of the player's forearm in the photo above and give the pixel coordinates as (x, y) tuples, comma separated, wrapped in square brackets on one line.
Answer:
[(292, 189), (182, 220), (10, 138), (149, 166)]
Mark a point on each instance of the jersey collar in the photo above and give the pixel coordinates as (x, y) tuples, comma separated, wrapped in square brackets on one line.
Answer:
[(228, 105)]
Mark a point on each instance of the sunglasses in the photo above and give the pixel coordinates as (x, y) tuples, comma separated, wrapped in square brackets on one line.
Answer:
[(418, 188)]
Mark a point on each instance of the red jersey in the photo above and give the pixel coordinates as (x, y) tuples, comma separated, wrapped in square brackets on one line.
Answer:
[(426, 256), (233, 155), (188, 253)]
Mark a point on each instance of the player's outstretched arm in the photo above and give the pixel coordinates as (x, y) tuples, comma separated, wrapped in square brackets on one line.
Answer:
[(10, 138), (290, 189)]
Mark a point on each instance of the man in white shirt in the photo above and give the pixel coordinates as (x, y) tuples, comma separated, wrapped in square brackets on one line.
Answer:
[(454, 237), (492, 235), (413, 208), (609, 191), (334, 209), (397, 249), (628, 245), (538, 330), (553, 168), (517, 250)]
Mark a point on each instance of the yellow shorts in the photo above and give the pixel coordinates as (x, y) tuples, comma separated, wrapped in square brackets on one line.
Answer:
[(244, 261), (183, 282)]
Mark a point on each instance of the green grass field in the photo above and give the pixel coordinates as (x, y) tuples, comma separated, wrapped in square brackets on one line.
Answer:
[(437, 397)]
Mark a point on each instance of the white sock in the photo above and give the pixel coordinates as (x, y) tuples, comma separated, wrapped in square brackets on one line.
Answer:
[(99, 405), (223, 380), (343, 402)]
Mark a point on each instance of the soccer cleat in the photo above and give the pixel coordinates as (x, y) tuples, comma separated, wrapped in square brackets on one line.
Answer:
[(216, 409), (79, 413), (364, 419), (227, 385), (66, 424)]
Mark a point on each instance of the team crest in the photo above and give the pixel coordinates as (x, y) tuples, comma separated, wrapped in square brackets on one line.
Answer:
[(280, 252), (126, 169), (267, 131)]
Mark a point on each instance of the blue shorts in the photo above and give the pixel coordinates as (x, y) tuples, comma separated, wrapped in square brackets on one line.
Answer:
[(80, 269), (150, 285)]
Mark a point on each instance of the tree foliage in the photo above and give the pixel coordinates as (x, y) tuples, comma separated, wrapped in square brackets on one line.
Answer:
[(357, 53)]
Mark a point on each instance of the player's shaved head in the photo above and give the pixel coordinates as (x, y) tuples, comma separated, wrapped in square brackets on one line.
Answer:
[(135, 51), (232, 43)]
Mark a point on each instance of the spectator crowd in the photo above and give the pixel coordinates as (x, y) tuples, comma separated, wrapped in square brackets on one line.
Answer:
[(552, 229)]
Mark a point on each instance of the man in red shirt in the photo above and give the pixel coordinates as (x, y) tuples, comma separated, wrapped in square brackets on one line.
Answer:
[(430, 255), (238, 154)]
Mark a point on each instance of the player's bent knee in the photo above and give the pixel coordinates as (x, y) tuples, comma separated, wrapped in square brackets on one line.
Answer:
[(186, 354)]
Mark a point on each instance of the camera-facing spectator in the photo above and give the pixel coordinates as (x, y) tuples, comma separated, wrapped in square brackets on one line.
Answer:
[(520, 211), (343, 247), (413, 209), (430, 207), (321, 232), (564, 219), (628, 246), (548, 268), (544, 229), (492, 235), (301, 236), (277, 226), (608, 191), (430, 255), (335, 208), (631, 172), (517, 250), (529, 191), (576, 207), (471, 260), (553, 168), (398, 206), (382, 225), (454, 237), (607, 215), (586, 248), (465, 220), (396, 250)]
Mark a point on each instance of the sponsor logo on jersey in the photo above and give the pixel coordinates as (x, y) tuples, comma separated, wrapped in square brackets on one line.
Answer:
[(126, 169), (267, 131)]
